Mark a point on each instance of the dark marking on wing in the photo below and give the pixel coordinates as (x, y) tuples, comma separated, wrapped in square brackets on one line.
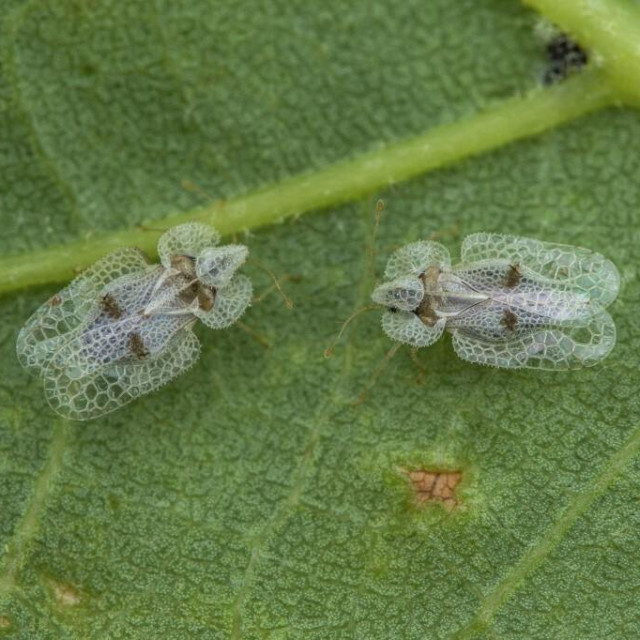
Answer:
[(513, 276), (509, 320), (206, 297), (137, 346), (184, 264), (426, 312), (110, 306)]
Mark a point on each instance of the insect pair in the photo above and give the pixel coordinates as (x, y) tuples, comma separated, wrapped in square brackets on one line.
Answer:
[(124, 327)]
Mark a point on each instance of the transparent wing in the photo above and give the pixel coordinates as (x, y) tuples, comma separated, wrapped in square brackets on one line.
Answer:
[(488, 336), (407, 328), (104, 343), (186, 239), (106, 388), (53, 322), (414, 259), (517, 287), (230, 303), (128, 295), (574, 266)]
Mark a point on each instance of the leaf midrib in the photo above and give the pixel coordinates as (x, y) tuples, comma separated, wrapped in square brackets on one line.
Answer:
[(506, 122)]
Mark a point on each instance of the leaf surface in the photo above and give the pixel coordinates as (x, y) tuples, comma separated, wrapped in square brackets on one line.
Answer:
[(249, 498)]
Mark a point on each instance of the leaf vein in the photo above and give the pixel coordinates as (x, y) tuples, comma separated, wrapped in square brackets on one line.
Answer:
[(18, 546), (537, 554)]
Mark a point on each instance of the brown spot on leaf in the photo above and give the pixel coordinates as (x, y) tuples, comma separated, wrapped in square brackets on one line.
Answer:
[(65, 594), (5, 623), (435, 486)]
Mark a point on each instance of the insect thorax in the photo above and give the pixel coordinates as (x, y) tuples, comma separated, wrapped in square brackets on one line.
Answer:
[(190, 288)]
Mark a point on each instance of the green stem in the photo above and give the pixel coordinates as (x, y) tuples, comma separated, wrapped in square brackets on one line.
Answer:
[(610, 29), (514, 119)]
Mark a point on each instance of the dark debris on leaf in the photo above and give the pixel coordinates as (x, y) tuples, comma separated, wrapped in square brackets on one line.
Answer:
[(564, 56)]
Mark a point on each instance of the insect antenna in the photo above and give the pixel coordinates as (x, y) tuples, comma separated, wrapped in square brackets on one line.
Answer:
[(144, 227), (254, 334), (371, 249), (285, 278), (371, 253), (214, 203), (192, 187), (276, 283), (329, 350), (376, 374)]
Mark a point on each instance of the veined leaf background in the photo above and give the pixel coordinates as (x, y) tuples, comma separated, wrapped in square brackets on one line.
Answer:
[(249, 498)]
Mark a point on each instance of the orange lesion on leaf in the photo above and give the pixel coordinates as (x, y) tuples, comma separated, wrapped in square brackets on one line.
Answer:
[(434, 486)]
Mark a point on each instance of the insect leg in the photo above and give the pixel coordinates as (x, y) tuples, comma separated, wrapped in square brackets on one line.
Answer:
[(376, 374)]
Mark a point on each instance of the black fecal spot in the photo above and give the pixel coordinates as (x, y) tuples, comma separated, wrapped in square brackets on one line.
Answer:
[(564, 56)]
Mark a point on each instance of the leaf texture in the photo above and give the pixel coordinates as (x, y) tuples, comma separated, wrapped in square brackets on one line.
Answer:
[(249, 498)]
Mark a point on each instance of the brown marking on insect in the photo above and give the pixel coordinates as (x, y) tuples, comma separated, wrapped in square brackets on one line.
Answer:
[(430, 277), (196, 290), (54, 301), (509, 320), (137, 346), (513, 276), (206, 297), (425, 311), (110, 306), (184, 264), (435, 486)]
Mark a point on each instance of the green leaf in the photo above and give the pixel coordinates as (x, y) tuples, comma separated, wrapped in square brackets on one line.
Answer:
[(250, 498)]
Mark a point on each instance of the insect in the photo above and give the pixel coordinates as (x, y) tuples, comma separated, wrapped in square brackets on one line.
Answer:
[(511, 302), (124, 327)]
